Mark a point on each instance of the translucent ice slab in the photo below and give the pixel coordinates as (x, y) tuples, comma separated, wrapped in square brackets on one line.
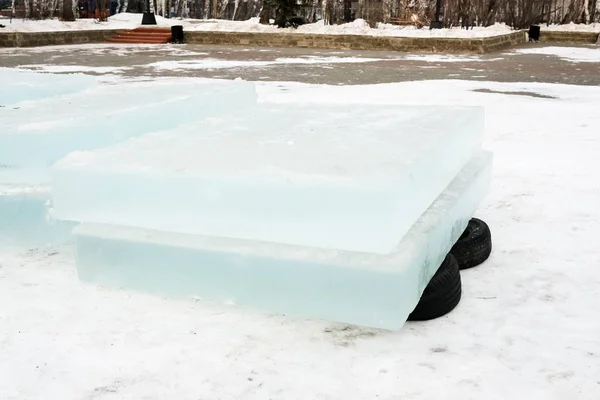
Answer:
[(25, 217), (350, 287), (36, 134), (343, 177), (17, 85)]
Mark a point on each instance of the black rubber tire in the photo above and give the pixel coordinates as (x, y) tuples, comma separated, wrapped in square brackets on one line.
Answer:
[(442, 294), (474, 246)]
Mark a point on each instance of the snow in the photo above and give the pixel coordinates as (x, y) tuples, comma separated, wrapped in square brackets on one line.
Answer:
[(118, 21), (445, 58), (572, 54), (572, 27), (456, 32), (74, 68), (121, 50), (357, 27), (526, 327), (211, 63)]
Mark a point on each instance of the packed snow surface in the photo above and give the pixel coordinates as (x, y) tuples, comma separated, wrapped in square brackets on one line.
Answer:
[(211, 63), (526, 327), (572, 27), (572, 54)]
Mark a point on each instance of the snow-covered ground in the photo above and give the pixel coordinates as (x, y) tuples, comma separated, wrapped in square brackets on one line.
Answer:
[(572, 54), (204, 61), (75, 68), (212, 63), (571, 27), (527, 326), (358, 27), (92, 49)]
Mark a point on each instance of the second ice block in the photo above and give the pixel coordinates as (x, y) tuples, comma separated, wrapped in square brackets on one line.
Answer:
[(38, 133), (26, 217), (18, 85)]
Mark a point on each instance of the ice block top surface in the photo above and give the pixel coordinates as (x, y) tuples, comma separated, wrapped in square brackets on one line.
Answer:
[(18, 85), (290, 143), (55, 115), (459, 199)]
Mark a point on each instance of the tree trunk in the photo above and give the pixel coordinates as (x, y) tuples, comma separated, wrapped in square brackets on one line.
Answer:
[(586, 10), (328, 12)]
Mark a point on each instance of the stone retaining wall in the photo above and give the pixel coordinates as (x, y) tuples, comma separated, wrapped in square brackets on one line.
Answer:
[(350, 42), (357, 42), (31, 39), (502, 42), (568, 37)]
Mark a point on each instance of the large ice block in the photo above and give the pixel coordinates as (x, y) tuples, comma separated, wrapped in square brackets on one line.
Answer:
[(26, 217), (36, 134), (18, 85), (351, 287), (344, 177)]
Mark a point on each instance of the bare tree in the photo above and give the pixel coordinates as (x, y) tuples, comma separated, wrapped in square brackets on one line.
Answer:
[(519, 14)]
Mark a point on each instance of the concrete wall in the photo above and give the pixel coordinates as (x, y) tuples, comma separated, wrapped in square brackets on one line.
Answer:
[(357, 42), (568, 37), (31, 39)]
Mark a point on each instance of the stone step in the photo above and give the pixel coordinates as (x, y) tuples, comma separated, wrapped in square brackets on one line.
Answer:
[(137, 41), (134, 35), (152, 30), (143, 36)]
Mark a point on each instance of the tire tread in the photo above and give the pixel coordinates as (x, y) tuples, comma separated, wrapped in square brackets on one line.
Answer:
[(442, 294), (476, 247)]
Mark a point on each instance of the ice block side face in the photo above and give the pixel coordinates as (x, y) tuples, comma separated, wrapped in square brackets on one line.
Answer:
[(18, 86), (344, 177), (349, 287), (26, 218), (36, 134)]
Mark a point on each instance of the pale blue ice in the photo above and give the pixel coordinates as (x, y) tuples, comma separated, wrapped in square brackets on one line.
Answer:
[(36, 134), (350, 287), (45, 116), (18, 85), (351, 177), (26, 217), (327, 212)]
